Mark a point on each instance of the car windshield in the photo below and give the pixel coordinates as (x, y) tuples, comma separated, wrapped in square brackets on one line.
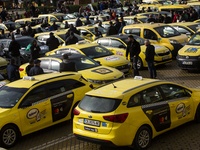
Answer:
[(143, 20), (25, 42), (102, 30), (194, 27), (137, 38), (83, 63), (99, 104), (14, 25), (62, 36), (167, 31), (9, 96), (161, 2), (66, 17), (96, 52), (195, 40)]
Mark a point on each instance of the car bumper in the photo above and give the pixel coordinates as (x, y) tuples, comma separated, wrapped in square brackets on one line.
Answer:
[(190, 64)]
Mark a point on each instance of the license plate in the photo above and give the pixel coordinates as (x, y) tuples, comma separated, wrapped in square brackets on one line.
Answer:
[(90, 129), (187, 63), (165, 58), (124, 70), (92, 122)]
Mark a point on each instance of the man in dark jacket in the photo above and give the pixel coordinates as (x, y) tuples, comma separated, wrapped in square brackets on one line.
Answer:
[(72, 39), (87, 21), (97, 33), (36, 70), (55, 27), (28, 68), (167, 19), (67, 65), (117, 24), (151, 19), (72, 28), (133, 47), (35, 50), (13, 71), (14, 48), (78, 22), (150, 53), (52, 42), (111, 30)]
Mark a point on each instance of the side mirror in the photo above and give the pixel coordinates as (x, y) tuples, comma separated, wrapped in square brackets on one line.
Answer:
[(121, 46), (26, 104), (188, 34), (69, 95)]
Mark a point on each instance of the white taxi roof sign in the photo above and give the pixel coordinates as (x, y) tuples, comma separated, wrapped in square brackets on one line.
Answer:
[(28, 78), (138, 78)]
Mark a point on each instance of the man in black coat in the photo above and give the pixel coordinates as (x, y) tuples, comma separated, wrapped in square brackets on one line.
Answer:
[(133, 47), (72, 39), (36, 70), (111, 30), (52, 42), (35, 50), (150, 53), (67, 65), (28, 68), (13, 71)]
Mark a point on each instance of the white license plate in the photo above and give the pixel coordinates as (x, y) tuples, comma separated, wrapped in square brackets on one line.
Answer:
[(92, 122), (165, 58), (187, 63), (91, 129)]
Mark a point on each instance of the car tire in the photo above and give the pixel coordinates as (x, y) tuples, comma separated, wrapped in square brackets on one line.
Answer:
[(9, 136), (143, 138), (139, 63), (197, 115)]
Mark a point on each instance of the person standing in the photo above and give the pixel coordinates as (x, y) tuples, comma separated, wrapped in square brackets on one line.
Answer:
[(133, 47), (52, 42), (111, 30), (14, 48), (28, 68), (67, 65), (97, 33), (78, 22), (35, 49), (36, 70), (150, 53), (13, 71), (72, 39)]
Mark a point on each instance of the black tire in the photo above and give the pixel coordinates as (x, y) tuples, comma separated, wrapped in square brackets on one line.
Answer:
[(143, 132), (72, 114), (9, 136), (197, 115), (139, 63)]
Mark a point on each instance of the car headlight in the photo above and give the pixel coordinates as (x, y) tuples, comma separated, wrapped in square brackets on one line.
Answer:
[(173, 41), (96, 81)]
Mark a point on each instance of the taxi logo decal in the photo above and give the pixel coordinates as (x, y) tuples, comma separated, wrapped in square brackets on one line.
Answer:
[(35, 115), (182, 110), (191, 50), (102, 71), (112, 58), (32, 113)]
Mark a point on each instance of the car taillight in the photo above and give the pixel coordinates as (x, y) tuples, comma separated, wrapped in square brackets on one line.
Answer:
[(116, 118), (21, 69), (76, 112)]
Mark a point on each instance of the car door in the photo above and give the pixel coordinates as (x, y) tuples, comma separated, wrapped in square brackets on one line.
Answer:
[(156, 108), (35, 110), (180, 103), (151, 36), (117, 47)]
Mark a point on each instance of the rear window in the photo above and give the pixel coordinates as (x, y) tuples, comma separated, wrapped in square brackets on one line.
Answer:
[(99, 104)]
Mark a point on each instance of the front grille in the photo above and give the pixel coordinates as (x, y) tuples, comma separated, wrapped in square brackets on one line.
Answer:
[(3, 67), (163, 54), (187, 57)]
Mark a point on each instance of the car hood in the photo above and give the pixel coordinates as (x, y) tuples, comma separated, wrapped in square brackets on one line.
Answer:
[(112, 61), (190, 50), (101, 73), (180, 38), (4, 111)]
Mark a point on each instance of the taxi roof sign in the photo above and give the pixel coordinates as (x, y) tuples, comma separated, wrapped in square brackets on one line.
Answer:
[(28, 78), (138, 78)]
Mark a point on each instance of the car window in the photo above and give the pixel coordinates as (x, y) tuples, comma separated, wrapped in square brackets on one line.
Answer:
[(52, 19), (102, 30), (152, 95), (84, 32), (195, 40), (173, 91), (36, 95), (181, 30), (148, 34), (42, 38), (135, 100), (166, 31), (72, 84), (104, 42), (116, 43), (56, 88), (55, 65), (44, 63), (106, 26), (133, 31)]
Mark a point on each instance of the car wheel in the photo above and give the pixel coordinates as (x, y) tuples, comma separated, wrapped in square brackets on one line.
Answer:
[(9, 136), (197, 116), (139, 63), (143, 138)]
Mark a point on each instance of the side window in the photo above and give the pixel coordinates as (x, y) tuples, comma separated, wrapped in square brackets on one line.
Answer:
[(52, 19), (182, 30), (84, 32), (152, 95), (74, 51), (72, 84), (116, 43), (36, 95), (55, 65), (133, 31), (42, 38), (56, 88), (173, 91), (61, 51), (104, 42), (135, 100), (45, 63), (148, 34)]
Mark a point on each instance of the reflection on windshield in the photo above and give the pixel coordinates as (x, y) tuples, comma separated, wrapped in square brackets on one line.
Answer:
[(194, 27), (25, 42), (62, 36), (9, 96), (138, 39), (96, 52), (102, 30), (195, 40), (167, 31)]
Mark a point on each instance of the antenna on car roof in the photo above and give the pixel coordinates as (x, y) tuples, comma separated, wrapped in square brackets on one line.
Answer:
[(113, 85)]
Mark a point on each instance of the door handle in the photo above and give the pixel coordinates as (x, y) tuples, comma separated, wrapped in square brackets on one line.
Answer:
[(149, 112)]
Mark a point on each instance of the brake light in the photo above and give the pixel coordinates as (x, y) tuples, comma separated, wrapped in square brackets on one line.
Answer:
[(76, 112), (116, 118), (21, 69)]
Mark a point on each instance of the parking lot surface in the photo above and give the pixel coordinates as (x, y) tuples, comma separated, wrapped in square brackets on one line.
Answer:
[(185, 137)]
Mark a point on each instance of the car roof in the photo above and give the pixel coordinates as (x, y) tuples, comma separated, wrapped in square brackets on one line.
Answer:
[(38, 79), (174, 6), (80, 46), (119, 36), (71, 56), (54, 14), (153, 25), (184, 23)]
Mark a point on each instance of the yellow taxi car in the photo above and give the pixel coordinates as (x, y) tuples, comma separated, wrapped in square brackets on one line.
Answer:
[(56, 16), (189, 56), (130, 19), (73, 21), (60, 35), (23, 21), (154, 2), (5, 25), (159, 33), (187, 28), (118, 43), (33, 103), (90, 70), (131, 112), (3, 81), (98, 53), (178, 8), (151, 6), (3, 65), (6, 33), (88, 32), (155, 14)]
